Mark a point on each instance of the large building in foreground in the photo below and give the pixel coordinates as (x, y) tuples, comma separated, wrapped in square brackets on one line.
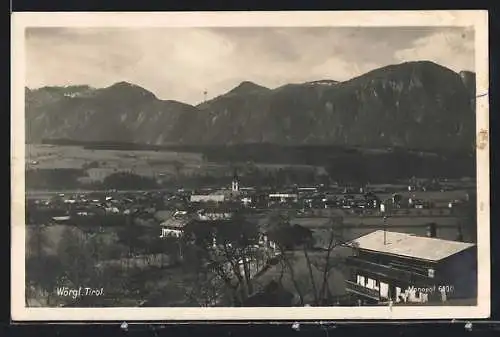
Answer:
[(405, 268)]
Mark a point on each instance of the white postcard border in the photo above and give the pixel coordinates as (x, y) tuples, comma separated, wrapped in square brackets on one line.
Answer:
[(19, 21)]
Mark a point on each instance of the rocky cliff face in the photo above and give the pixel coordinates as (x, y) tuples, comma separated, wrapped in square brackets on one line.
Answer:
[(418, 105), (121, 112)]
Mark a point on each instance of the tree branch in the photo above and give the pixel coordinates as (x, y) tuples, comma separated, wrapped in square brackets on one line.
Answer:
[(327, 264), (309, 267), (292, 273)]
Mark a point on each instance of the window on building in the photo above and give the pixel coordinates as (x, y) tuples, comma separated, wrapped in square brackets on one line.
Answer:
[(361, 280), (384, 290), (370, 283), (399, 298)]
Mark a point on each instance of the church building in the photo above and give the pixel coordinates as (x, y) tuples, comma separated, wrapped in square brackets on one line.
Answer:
[(235, 185)]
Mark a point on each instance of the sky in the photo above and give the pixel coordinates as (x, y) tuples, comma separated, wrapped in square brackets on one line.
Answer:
[(181, 63)]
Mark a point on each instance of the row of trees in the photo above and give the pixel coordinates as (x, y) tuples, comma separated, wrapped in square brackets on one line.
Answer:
[(128, 181), (390, 167), (59, 178), (353, 165), (252, 175)]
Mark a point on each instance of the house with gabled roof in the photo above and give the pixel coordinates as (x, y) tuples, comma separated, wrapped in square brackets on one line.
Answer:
[(406, 268)]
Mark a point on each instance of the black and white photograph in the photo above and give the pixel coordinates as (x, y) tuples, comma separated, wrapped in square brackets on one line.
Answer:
[(193, 166)]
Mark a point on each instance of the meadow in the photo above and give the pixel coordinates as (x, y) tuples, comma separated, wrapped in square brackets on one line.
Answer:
[(43, 156), (100, 163)]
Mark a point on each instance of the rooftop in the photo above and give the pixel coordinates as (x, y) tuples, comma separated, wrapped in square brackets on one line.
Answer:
[(175, 223), (408, 245)]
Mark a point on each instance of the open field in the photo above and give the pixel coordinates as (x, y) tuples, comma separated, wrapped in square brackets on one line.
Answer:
[(143, 162), (447, 227), (108, 161), (353, 221)]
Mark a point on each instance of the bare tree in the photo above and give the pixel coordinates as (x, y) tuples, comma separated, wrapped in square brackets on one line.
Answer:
[(37, 240), (36, 261), (288, 239), (206, 289), (292, 239), (75, 256), (226, 250)]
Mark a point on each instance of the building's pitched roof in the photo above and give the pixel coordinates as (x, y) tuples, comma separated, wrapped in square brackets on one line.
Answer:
[(408, 245), (211, 196), (175, 223), (61, 218)]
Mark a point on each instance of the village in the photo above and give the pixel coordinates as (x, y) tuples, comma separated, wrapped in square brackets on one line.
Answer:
[(255, 246)]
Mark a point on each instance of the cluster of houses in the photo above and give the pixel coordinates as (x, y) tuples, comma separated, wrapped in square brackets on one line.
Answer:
[(384, 267), (379, 197), (366, 198), (65, 208)]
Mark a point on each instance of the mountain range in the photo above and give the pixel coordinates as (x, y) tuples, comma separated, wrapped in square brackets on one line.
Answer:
[(417, 105)]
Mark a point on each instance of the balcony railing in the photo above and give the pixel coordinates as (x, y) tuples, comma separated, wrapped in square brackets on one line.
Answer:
[(387, 271), (358, 289)]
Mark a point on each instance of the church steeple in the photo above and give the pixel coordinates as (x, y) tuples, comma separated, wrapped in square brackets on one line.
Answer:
[(235, 184)]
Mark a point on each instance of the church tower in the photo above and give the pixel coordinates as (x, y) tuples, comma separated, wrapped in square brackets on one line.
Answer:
[(235, 187)]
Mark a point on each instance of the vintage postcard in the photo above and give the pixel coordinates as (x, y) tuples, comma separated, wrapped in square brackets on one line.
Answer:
[(250, 166)]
